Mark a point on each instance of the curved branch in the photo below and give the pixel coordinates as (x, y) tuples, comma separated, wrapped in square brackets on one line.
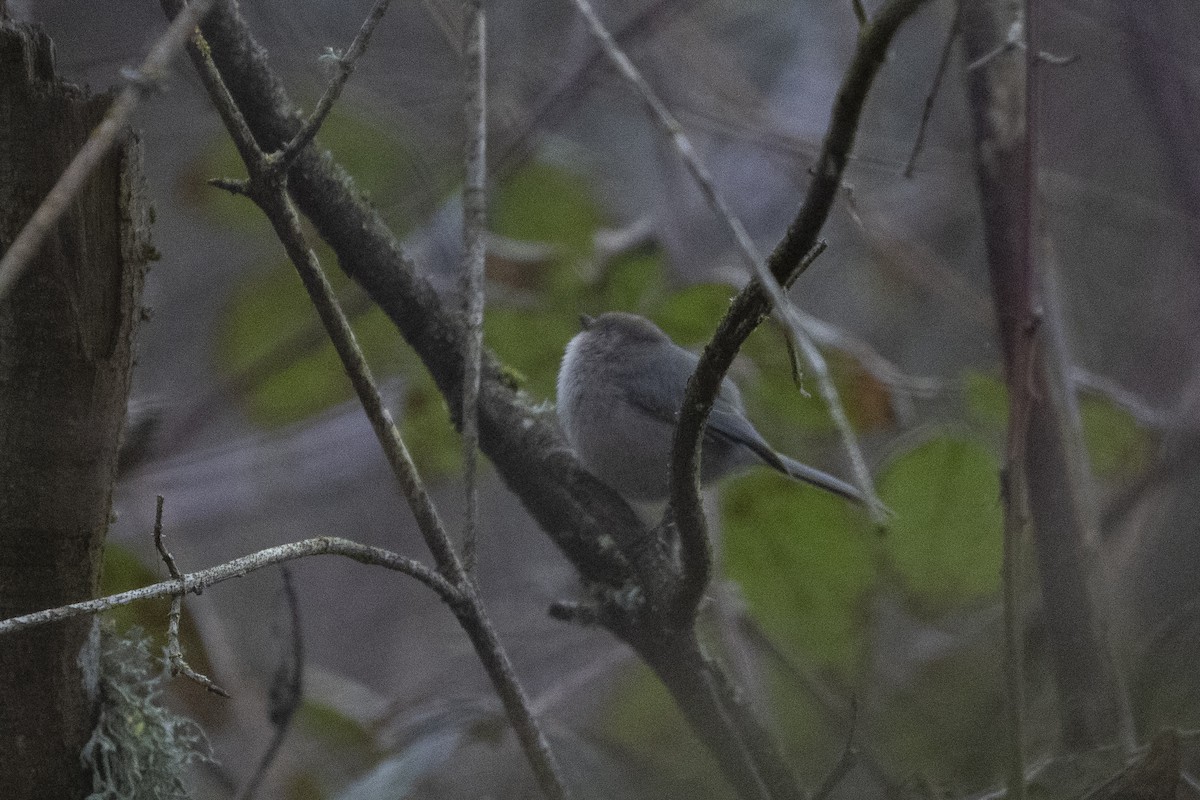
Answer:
[(752, 304), (200, 580)]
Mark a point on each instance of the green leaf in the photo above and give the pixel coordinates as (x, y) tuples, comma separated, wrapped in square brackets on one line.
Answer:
[(531, 342), (945, 541), (690, 316), (427, 431), (646, 722), (633, 282), (803, 561), (273, 349), (1115, 442), (338, 734), (544, 203), (987, 398)]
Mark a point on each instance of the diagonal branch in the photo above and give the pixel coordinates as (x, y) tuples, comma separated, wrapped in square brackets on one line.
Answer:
[(344, 66)]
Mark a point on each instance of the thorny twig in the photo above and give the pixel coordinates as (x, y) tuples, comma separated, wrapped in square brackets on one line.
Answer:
[(179, 665)]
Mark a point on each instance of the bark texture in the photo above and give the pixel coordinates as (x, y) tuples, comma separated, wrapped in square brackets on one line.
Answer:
[(66, 334)]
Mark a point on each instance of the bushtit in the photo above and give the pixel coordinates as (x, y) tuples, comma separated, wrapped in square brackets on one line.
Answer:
[(620, 388)]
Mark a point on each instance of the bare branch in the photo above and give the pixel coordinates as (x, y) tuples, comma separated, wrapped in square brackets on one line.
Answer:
[(474, 252), (1045, 478), (780, 304), (934, 89), (139, 83), (284, 158), (179, 665), (287, 689), (752, 304), (845, 762), (196, 582), (860, 12)]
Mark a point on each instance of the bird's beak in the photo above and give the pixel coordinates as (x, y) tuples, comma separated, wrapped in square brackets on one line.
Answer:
[(586, 322)]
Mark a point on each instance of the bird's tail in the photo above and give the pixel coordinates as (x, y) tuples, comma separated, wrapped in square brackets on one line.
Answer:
[(822, 480)]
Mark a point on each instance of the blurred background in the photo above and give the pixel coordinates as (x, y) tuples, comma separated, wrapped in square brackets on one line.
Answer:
[(251, 435)]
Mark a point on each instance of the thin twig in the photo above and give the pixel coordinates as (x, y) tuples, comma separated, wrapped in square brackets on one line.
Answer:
[(197, 582), (179, 665), (344, 69), (287, 688), (1142, 410), (871, 360), (139, 83), (474, 253), (780, 303), (860, 12), (934, 89)]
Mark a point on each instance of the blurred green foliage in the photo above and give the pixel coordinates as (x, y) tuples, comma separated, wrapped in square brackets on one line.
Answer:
[(803, 560), (945, 540), (1116, 444), (383, 160), (649, 726), (271, 343)]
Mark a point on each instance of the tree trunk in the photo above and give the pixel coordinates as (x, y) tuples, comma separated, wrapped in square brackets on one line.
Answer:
[(66, 333)]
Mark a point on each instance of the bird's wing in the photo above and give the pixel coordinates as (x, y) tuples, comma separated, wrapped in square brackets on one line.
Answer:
[(659, 394)]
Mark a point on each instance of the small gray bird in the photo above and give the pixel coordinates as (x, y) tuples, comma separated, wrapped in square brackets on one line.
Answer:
[(620, 387)]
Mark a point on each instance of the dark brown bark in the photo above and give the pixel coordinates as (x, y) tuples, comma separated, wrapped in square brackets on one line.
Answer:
[(66, 334)]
